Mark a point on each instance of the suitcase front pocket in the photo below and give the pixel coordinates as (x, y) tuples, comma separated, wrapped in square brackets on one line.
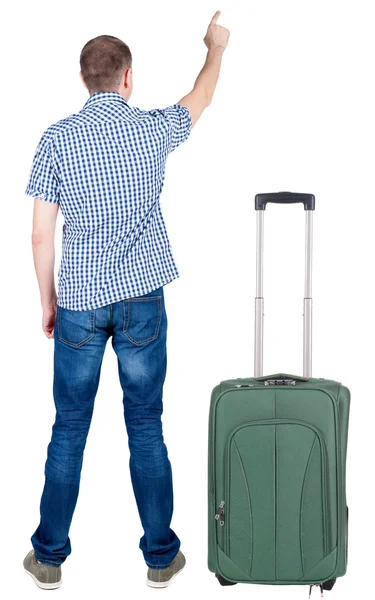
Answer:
[(275, 498)]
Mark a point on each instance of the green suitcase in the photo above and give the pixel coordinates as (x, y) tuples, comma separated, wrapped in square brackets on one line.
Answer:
[(277, 447)]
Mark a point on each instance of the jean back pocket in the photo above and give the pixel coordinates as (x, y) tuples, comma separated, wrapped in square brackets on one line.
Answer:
[(75, 327), (142, 318)]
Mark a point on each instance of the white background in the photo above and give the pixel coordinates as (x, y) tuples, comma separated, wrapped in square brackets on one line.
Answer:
[(294, 110)]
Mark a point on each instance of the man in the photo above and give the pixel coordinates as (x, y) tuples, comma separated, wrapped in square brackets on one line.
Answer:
[(104, 166)]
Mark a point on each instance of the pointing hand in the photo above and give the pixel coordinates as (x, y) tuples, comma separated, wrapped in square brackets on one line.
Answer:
[(216, 36)]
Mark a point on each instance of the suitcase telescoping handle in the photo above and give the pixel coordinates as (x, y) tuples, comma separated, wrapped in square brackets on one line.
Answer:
[(308, 200), (261, 200)]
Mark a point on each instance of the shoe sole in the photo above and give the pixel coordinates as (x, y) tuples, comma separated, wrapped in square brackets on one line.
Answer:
[(44, 586), (161, 584)]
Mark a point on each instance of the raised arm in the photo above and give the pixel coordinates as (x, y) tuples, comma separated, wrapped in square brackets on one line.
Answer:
[(216, 40)]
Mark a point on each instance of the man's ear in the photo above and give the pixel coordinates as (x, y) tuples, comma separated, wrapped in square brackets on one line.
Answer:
[(128, 80)]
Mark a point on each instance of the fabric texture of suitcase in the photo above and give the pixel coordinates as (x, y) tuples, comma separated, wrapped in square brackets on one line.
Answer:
[(276, 474), (277, 511)]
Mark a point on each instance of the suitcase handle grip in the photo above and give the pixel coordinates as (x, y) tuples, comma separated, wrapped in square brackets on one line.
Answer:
[(261, 200)]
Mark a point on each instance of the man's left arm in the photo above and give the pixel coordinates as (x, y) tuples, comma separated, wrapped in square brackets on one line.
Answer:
[(43, 247), (43, 186)]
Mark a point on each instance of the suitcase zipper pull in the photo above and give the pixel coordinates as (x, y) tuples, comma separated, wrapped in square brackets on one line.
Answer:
[(220, 513), (320, 585), (241, 385)]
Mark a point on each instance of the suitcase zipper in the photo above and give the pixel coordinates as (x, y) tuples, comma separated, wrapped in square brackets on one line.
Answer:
[(241, 385), (220, 513), (220, 518)]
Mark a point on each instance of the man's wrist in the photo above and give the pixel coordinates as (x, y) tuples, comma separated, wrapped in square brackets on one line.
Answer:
[(49, 304), (216, 51)]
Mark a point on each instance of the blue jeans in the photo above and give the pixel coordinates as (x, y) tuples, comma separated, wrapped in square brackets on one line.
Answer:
[(138, 327)]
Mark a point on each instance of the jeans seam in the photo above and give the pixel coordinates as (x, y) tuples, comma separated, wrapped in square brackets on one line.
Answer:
[(49, 562)]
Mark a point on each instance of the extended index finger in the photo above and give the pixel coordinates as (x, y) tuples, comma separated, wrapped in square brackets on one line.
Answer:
[(215, 17)]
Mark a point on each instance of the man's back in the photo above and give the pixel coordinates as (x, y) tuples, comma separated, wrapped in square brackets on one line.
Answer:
[(105, 167)]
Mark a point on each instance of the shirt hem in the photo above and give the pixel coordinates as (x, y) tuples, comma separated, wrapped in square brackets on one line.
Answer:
[(89, 306)]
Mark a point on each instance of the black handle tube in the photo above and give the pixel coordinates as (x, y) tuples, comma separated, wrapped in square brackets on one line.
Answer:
[(261, 200)]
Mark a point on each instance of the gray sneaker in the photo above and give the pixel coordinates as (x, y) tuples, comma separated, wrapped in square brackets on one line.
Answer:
[(163, 577), (46, 577)]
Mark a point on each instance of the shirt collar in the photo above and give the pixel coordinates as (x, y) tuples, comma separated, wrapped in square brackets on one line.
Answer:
[(104, 96)]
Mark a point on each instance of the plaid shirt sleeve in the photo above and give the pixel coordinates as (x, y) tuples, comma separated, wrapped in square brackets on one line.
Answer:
[(43, 182), (178, 118)]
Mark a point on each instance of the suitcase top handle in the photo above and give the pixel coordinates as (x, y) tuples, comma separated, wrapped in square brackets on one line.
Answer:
[(261, 200), (282, 377)]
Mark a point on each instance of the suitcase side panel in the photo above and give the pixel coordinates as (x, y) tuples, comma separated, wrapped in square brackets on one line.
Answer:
[(211, 546), (343, 405)]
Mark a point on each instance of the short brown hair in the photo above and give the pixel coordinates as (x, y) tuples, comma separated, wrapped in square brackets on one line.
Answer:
[(103, 61)]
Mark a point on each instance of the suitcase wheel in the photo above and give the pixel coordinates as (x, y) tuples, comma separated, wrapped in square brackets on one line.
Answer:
[(224, 581), (328, 585)]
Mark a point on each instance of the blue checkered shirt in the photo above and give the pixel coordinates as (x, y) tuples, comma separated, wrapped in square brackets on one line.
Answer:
[(105, 167)]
